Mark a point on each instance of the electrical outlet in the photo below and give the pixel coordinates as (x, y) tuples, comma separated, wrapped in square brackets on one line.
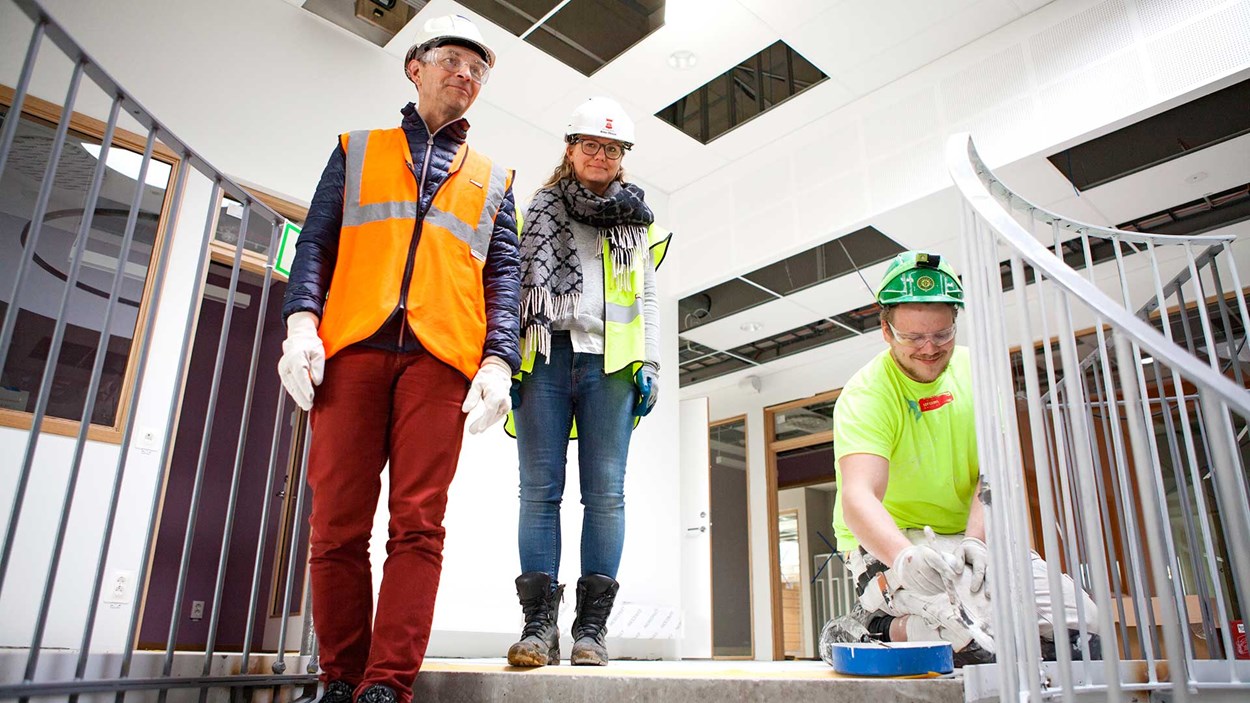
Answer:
[(120, 587), (197, 610), (146, 438)]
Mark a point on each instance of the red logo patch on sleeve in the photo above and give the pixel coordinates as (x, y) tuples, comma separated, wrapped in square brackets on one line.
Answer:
[(936, 401)]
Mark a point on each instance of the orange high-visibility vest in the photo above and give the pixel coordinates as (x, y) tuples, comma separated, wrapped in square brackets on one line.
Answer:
[(444, 302)]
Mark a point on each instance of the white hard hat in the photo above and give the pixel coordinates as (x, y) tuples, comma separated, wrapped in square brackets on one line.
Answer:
[(449, 29), (601, 117)]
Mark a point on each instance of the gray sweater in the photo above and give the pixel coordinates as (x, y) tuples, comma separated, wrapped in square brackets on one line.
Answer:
[(586, 327)]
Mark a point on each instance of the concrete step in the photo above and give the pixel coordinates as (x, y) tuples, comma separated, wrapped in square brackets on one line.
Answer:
[(477, 680)]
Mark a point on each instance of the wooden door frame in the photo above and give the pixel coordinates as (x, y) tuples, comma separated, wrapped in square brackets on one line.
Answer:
[(772, 447)]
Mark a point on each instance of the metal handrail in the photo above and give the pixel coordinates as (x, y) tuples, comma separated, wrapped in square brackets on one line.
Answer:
[(967, 170)]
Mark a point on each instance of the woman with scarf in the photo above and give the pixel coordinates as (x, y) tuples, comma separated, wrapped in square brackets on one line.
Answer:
[(590, 367)]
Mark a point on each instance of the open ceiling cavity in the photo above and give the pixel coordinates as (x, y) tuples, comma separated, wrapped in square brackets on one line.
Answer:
[(744, 92)]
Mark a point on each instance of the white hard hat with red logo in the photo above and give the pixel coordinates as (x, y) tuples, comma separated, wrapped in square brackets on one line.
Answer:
[(449, 29), (601, 117)]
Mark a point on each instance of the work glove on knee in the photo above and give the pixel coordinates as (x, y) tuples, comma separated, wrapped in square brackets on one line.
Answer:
[(924, 570), (303, 361), (973, 554)]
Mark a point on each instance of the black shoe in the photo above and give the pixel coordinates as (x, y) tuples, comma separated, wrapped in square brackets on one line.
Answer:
[(540, 639), (595, 596), (972, 654), (337, 692), (377, 693), (1074, 642)]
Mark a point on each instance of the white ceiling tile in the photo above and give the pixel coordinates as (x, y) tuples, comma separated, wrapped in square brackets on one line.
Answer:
[(891, 60), (785, 16), (720, 40), (782, 120), (1027, 6)]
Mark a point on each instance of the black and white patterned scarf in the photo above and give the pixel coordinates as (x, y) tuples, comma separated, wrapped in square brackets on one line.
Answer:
[(551, 273)]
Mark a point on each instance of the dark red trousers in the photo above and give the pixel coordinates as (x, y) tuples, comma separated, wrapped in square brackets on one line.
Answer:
[(375, 407)]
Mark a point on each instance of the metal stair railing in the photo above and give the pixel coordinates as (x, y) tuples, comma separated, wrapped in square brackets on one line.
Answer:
[(49, 45), (1129, 472)]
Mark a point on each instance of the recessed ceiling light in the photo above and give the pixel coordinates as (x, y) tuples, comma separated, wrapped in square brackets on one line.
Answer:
[(1199, 176), (751, 327), (683, 59)]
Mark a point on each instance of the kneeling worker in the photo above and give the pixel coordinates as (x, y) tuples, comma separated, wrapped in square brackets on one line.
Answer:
[(904, 437)]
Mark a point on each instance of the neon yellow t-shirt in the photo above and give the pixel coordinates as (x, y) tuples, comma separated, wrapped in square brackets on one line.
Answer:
[(927, 431)]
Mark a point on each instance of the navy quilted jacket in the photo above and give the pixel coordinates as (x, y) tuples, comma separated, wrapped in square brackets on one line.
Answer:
[(317, 247)]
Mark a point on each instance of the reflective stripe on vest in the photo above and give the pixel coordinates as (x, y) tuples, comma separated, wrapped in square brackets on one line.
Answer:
[(444, 302)]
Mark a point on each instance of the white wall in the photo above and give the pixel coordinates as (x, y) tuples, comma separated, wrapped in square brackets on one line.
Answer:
[(260, 89)]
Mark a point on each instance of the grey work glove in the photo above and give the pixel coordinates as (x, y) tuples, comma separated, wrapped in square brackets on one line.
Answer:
[(303, 362), (924, 570), (647, 379), (491, 388), (973, 554)]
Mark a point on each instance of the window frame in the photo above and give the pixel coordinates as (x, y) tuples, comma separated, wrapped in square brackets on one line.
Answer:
[(80, 125)]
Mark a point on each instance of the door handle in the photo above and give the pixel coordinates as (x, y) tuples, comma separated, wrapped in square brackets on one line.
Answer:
[(701, 528)]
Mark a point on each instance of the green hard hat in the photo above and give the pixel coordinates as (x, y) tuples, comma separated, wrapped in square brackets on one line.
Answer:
[(919, 277)]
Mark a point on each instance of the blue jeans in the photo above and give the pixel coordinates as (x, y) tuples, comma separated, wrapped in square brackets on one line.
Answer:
[(573, 386)]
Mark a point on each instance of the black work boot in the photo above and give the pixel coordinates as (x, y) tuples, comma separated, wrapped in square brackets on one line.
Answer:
[(972, 655), (337, 692), (540, 639), (377, 693), (595, 595), (1074, 642)]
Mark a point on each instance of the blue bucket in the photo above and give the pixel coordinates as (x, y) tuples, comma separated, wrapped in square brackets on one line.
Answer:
[(892, 659)]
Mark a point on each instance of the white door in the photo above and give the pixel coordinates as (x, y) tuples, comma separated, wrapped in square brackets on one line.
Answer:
[(696, 554)]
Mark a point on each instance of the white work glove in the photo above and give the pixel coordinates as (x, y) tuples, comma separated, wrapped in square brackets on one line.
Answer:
[(972, 553), (924, 570), (303, 362), (492, 386)]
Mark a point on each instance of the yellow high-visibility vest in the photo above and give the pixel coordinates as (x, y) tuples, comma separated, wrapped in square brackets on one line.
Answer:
[(624, 329)]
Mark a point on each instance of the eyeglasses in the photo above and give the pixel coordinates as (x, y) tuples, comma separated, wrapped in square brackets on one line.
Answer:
[(613, 151), (450, 61), (919, 340)]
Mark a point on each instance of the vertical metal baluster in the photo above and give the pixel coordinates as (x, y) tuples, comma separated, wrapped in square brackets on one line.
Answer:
[(171, 411), (205, 442), (262, 538), (301, 478), (93, 603), (1018, 501), (10, 316), (1152, 512), (998, 527), (14, 115), (45, 388), (1046, 500), (1200, 301), (1230, 493), (1241, 298), (224, 556), (1230, 336)]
